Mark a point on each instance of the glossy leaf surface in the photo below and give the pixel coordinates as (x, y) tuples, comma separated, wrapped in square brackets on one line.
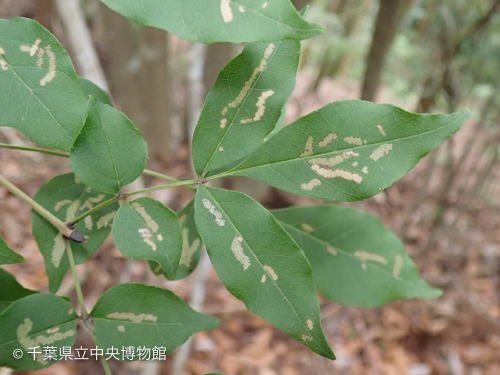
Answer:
[(245, 103), (36, 321), (141, 315), (41, 94), (11, 290), (219, 20), (67, 197), (92, 89), (348, 150), (109, 152), (7, 255), (147, 229), (355, 260), (191, 245), (260, 264)]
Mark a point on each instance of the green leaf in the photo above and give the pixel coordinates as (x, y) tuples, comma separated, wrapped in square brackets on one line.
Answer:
[(7, 255), (141, 315), (348, 150), (92, 89), (147, 229), (41, 94), (221, 20), (245, 103), (260, 264), (67, 197), (280, 124), (109, 152), (11, 290), (355, 260), (191, 245), (35, 321), (191, 242)]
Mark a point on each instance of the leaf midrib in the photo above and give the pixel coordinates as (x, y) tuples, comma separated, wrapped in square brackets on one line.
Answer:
[(273, 281), (205, 169), (329, 153), (344, 252)]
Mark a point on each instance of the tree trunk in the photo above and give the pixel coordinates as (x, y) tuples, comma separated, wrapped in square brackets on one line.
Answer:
[(217, 57), (138, 71), (299, 4), (43, 13), (385, 30)]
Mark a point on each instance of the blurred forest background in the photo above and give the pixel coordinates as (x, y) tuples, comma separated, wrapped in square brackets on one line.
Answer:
[(422, 55)]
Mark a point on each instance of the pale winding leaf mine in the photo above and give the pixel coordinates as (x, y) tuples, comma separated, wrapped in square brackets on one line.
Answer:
[(57, 250), (132, 317), (398, 265), (364, 256), (152, 225), (3, 63), (23, 333), (381, 151), (225, 9), (211, 208), (104, 221), (42, 52), (188, 250), (271, 272), (237, 250), (322, 166), (261, 107)]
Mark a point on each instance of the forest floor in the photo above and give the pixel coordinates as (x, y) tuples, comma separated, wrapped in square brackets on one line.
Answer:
[(456, 334)]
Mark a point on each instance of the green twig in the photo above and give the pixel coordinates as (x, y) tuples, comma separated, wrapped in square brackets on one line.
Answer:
[(165, 177), (41, 150), (162, 187), (84, 314), (78, 288), (38, 208), (95, 209)]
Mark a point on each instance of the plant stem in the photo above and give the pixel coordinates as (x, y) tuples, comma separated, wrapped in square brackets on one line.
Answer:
[(180, 183), (41, 150), (95, 209), (220, 175), (38, 208), (165, 177), (79, 293), (78, 288)]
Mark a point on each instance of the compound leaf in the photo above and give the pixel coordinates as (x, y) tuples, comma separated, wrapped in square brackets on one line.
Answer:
[(348, 150), (7, 255), (35, 321), (245, 103), (220, 20), (355, 260), (67, 197), (41, 94), (260, 264), (147, 229), (92, 89), (109, 152), (11, 290), (139, 315)]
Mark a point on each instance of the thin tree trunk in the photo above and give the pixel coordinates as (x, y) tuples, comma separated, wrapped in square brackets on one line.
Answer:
[(299, 4), (385, 30), (80, 41), (139, 80), (43, 13)]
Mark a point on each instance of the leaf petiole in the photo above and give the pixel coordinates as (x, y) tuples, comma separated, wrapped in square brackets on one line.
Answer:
[(62, 227)]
